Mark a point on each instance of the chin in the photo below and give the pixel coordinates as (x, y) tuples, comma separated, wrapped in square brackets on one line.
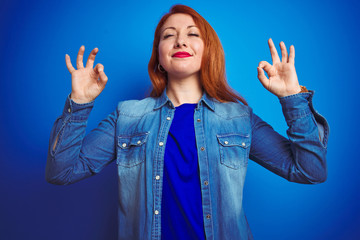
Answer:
[(184, 70), (183, 74)]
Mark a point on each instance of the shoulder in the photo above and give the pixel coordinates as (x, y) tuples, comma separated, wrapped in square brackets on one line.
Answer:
[(231, 109), (136, 108)]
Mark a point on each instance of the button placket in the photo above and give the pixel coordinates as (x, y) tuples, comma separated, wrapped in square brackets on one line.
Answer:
[(200, 128), (159, 165)]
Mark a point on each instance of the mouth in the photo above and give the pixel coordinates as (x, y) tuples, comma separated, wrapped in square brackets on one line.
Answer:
[(181, 55)]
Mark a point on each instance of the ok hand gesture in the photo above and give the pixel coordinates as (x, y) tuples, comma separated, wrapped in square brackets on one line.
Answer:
[(86, 82), (282, 79)]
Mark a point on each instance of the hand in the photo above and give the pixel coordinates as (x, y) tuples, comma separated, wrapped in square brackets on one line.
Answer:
[(282, 79), (87, 83)]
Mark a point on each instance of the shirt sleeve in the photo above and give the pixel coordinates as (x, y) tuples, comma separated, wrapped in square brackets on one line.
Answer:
[(72, 156), (302, 157)]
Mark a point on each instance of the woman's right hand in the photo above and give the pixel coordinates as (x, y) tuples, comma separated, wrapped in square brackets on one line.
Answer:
[(86, 82)]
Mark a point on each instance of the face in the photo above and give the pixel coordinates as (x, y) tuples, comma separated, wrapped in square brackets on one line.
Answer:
[(181, 46)]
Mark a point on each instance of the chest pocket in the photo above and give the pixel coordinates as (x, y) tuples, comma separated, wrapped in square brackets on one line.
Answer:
[(234, 150), (131, 149)]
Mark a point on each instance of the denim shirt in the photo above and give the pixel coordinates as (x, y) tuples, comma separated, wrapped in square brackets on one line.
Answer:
[(227, 135)]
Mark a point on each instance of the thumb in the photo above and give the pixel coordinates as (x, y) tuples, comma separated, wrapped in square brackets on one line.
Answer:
[(103, 78), (99, 69)]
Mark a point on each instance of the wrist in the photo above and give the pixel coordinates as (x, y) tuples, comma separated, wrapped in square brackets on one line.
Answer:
[(299, 89), (79, 100)]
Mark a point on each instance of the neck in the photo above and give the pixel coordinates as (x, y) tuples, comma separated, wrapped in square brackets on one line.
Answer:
[(184, 90)]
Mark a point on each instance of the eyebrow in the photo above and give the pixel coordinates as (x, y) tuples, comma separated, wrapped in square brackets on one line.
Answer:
[(175, 28)]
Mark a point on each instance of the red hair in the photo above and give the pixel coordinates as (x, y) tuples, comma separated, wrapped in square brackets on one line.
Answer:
[(212, 72)]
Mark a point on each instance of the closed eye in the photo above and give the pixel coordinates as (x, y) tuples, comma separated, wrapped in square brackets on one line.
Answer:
[(168, 35), (194, 34)]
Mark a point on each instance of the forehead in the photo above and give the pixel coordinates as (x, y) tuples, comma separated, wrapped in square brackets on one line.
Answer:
[(179, 20)]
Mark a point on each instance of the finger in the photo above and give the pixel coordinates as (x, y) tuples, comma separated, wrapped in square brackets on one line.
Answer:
[(284, 53), (267, 67), (103, 78), (79, 59), (68, 64), (292, 55), (263, 79), (91, 58), (99, 68), (274, 54)]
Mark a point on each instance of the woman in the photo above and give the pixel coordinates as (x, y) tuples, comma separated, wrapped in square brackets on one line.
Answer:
[(182, 153)]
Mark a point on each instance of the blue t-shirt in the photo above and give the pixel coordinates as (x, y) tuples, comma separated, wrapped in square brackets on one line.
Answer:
[(181, 207)]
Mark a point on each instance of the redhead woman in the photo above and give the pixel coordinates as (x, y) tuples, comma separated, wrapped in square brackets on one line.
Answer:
[(182, 153)]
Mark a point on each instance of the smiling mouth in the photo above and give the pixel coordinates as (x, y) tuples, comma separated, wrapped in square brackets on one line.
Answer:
[(181, 55)]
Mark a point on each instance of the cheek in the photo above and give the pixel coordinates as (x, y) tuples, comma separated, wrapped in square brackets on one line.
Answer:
[(199, 48), (163, 51)]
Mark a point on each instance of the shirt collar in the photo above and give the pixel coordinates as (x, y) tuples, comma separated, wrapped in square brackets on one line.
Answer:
[(164, 99)]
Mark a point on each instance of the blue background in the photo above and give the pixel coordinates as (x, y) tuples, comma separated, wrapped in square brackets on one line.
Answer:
[(36, 35)]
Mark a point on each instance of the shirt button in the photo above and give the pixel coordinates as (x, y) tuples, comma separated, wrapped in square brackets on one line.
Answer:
[(208, 216), (168, 118), (226, 142), (161, 143), (157, 177), (124, 144), (138, 142), (156, 212), (202, 148), (198, 120), (69, 110), (206, 183), (243, 144)]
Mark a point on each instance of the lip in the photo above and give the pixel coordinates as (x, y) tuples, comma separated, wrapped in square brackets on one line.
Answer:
[(181, 55)]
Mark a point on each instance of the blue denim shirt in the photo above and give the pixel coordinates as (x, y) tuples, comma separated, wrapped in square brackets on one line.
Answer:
[(227, 135)]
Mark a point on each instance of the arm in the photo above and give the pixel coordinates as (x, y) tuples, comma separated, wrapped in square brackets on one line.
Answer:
[(71, 155), (302, 157)]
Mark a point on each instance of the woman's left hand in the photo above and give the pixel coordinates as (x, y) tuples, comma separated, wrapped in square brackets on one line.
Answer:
[(282, 79)]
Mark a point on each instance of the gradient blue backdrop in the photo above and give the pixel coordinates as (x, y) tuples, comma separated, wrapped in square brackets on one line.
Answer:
[(36, 35)]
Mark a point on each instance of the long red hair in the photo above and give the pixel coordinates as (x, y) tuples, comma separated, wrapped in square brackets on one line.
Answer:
[(212, 72)]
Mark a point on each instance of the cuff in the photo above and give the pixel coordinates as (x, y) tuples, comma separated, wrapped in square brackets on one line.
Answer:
[(76, 111), (300, 105), (297, 105)]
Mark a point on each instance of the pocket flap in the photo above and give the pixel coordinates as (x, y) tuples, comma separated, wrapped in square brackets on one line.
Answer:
[(125, 141), (229, 140)]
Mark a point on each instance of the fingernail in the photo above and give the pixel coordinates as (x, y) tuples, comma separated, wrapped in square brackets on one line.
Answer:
[(100, 69)]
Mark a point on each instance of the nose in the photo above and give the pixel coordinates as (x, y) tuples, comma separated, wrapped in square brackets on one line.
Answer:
[(180, 42)]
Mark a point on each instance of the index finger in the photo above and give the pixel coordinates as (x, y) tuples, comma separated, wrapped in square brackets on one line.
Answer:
[(274, 54)]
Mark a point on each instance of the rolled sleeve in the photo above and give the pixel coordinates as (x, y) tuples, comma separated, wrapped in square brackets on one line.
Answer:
[(299, 106)]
